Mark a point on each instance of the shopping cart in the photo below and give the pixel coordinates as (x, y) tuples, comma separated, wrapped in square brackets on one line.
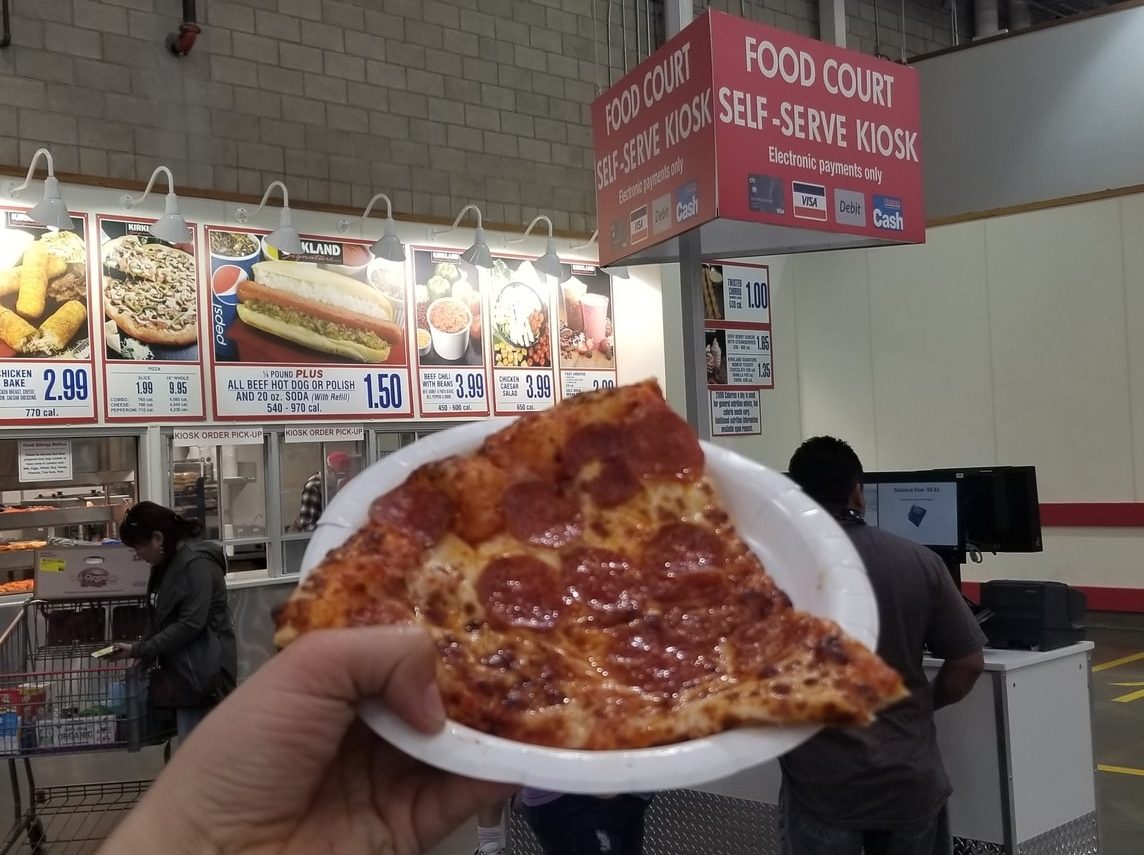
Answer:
[(56, 698)]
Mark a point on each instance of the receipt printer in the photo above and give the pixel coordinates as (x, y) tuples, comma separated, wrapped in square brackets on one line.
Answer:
[(1033, 615)]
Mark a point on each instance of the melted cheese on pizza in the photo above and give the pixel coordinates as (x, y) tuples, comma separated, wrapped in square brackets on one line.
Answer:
[(586, 589)]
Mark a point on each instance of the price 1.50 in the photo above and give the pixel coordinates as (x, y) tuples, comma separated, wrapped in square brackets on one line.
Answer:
[(383, 391), (68, 384), (470, 386), (538, 386)]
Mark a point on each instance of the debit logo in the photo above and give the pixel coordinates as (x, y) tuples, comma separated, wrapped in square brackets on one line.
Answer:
[(888, 214), (687, 202), (849, 208), (661, 215)]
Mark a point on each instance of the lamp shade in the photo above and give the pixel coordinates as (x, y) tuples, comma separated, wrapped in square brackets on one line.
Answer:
[(285, 238), (52, 212), (549, 263), (618, 272), (479, 253), (171, 227), (389, 245)]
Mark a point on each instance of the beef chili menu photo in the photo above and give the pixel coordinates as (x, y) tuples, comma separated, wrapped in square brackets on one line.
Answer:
[(520, 322), (317, 334), (452, 366), (586, 341), (46, 359), (150, 320)]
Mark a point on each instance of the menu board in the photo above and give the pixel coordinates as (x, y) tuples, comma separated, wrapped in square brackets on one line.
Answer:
[(46, 359), (520, 323), (738, 346), (152, 366), (452, 363), (319, 334), (586, 341)]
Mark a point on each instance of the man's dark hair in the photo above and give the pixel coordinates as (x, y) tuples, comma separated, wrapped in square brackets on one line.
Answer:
[(827, 469)]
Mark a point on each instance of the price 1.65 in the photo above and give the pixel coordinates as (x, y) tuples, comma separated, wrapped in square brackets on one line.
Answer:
[(538, 386), (69, 384), (470, 386), (383, 391)]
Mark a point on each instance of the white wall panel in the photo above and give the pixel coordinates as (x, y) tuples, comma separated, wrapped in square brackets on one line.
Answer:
[(832, 316), (1060, 356), (1132, 231), (1102, 557), (929, 322)]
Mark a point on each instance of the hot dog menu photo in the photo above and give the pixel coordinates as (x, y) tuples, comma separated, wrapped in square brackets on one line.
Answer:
[(46, 363), (451, 361), (150, 296), (319, 334)]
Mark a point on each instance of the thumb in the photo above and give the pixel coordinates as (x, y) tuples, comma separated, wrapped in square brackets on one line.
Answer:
[(342, 667)]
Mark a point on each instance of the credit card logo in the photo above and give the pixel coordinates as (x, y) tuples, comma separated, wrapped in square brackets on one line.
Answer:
[(888, 214), (661, 215), (687, 202), (638, 222), (765, 194), (619, 234), (849, 208), (809, 201)]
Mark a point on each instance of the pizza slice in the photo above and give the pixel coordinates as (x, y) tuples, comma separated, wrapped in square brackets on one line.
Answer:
[(587, 589)]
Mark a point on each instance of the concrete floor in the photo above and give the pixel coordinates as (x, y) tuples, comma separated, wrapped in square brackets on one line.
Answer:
[(1118, 727)]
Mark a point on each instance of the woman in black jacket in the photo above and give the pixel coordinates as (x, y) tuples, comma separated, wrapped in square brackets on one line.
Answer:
[(190, 640)]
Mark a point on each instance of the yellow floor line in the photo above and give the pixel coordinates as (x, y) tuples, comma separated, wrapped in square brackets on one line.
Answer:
[(1123, 660), (1121, 770)]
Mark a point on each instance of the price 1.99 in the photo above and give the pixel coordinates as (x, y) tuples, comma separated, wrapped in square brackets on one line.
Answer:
[(68, 384), (383, 391), (470, 386), (538, 386)]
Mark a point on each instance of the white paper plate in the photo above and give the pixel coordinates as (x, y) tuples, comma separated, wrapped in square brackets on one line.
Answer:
[(803, 548)]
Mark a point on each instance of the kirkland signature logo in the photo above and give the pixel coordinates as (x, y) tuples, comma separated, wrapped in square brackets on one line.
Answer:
[(849, 208), (888, 214), (687, 202)]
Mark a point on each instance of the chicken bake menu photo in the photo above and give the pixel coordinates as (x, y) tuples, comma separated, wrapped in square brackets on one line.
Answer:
[(150, 323), (46, 358), (310, 335)]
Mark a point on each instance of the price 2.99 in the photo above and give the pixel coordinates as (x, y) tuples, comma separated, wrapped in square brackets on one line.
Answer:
[(68, 384)]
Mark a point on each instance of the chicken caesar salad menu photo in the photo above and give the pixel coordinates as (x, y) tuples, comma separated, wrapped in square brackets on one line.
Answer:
[(150, 296), (314, 334), (46, 361)]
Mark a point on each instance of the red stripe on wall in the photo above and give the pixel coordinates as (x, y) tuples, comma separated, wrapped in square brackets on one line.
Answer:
[(1093, 514), (1099, 599)]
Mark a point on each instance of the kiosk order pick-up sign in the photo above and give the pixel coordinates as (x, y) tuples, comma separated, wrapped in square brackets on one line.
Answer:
[(766, 141)]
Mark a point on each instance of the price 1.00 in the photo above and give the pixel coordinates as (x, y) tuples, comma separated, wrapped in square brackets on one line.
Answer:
[(538, 386), (70, 384), (757, 296), (383, 391), (470, 386)]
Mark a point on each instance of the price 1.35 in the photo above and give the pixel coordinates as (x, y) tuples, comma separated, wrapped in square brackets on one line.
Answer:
[(383, 391)]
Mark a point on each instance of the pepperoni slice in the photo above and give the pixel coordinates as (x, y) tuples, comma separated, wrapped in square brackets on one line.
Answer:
[(660, 445), (685, 561), (415, 508), (602, 581), (598, 441), (614, 485), (643, 655), (520, 591), (535, 513)]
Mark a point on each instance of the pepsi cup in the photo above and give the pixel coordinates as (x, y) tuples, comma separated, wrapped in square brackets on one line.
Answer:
[(224, 308)]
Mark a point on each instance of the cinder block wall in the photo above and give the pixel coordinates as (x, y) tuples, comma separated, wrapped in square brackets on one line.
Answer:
[(438, 102)]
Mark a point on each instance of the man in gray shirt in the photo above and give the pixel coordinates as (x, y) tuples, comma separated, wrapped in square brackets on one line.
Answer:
[(882, 790)]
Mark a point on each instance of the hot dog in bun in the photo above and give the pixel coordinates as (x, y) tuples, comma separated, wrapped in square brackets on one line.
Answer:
[(321, 310)]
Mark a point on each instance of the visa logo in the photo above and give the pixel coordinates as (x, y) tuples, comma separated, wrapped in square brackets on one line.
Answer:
[(888, 214), (809, 201), (687, 202)]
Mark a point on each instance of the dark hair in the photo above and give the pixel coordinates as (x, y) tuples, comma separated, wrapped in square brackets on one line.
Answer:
[(827, 469), (145, 518)]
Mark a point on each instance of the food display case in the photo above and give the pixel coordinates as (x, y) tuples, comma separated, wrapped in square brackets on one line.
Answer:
[(81, 494)]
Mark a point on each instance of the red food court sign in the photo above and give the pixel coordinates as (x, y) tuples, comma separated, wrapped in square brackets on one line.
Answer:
[(737, 121)]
